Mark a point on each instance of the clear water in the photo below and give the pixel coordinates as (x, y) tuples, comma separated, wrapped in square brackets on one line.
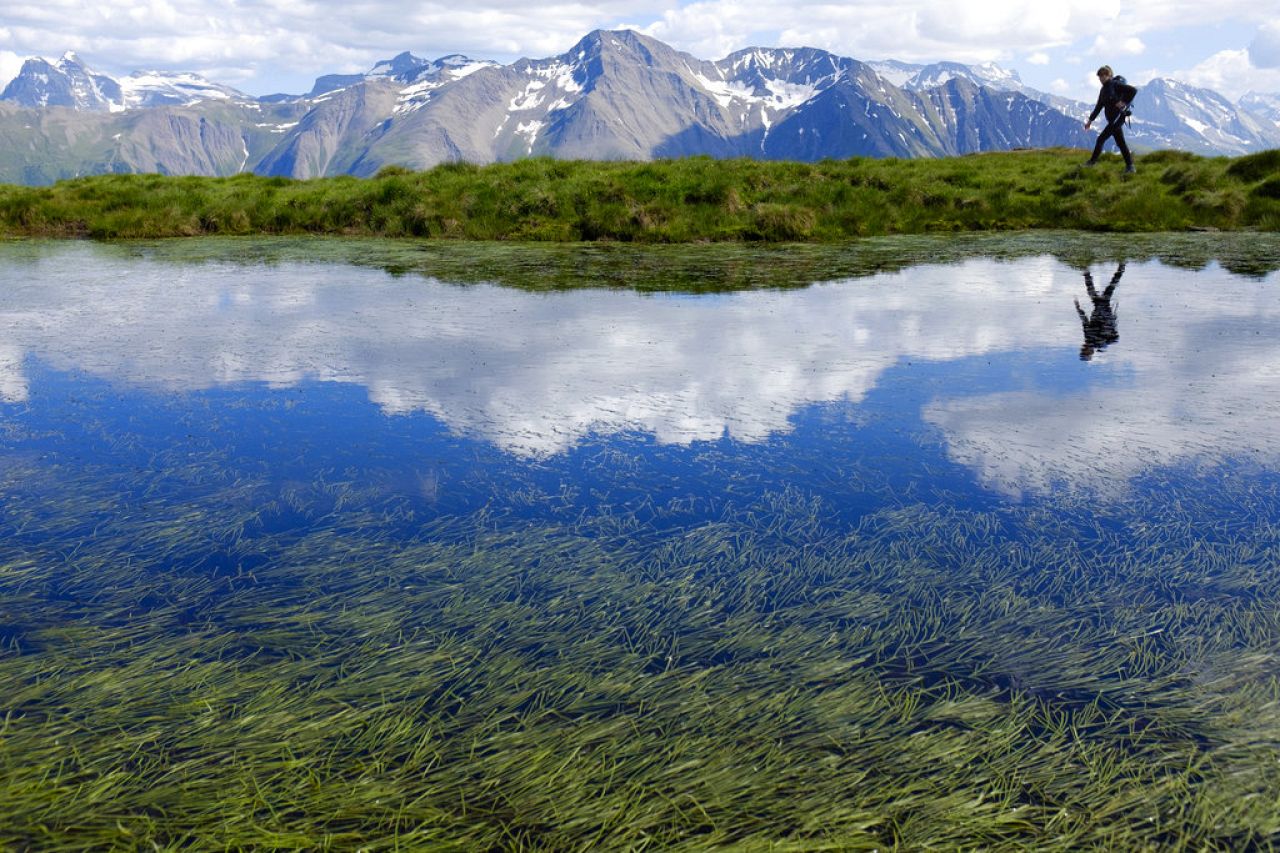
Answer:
[(976, 380), (963, 470)]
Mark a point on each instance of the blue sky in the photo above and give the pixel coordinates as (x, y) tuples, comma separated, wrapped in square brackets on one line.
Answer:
[(264, 46)]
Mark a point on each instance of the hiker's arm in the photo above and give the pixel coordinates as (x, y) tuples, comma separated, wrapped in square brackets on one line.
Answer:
[(1097, 108)]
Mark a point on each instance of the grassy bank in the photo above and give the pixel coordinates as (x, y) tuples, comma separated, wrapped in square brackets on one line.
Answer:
[(675, 201)]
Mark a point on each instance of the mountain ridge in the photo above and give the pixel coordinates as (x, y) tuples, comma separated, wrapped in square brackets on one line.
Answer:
[(616, 94)]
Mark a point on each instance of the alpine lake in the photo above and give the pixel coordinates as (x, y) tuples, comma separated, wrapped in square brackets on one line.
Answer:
[(964, 542)]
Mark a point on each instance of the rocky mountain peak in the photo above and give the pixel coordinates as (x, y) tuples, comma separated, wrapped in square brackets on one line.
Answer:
[(67, 83), (401, 66)]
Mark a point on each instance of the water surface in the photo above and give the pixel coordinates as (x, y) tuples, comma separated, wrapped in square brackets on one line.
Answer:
[(647, 519)]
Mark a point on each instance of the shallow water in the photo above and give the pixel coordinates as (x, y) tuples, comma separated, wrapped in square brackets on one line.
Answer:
[(978, 376), (1084, 471)]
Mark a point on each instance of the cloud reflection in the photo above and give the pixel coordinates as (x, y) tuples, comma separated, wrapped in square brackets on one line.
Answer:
[(534, 373), (1195, 381)]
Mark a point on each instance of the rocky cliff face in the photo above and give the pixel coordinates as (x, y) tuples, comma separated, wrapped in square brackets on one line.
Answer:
[(614, 95), (333, 133)]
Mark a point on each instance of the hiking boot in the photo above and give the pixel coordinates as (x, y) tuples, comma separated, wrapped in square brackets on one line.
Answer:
[(1089, 163), (1130, 170)]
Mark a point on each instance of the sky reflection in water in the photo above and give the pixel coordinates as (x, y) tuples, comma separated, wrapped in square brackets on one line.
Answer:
[(991, 379)]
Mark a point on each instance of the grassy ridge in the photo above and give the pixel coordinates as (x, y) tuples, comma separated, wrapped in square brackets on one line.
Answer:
[(674, 201)]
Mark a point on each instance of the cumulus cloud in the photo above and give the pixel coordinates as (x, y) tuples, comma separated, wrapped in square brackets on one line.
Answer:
[(261, 42), (1038, 58), (1264, 50), (10, 65), (1110, 44), (1232, 73)]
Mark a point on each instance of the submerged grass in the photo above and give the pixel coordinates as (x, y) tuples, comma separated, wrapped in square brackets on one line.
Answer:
[(672, 201), (326, 666)]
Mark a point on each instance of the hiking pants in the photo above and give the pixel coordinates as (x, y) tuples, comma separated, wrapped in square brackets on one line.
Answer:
[(1116, 130)]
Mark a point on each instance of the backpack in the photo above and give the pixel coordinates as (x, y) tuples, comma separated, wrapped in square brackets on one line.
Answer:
[(1119, 80)]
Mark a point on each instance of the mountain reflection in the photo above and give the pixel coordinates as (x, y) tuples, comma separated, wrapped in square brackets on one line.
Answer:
[(535, 373)]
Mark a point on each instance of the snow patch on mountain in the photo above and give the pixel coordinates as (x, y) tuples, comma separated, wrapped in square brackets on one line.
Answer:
[(155, 88), (781, 94), (725, 92), (529, 130), (426, 78)]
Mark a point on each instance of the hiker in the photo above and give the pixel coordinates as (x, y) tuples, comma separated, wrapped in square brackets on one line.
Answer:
[(1100, 325), (1113, 100)]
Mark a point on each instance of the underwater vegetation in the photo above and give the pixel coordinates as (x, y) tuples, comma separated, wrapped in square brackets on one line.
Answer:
[(209, 657)]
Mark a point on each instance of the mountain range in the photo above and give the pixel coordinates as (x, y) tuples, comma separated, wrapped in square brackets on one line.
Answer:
[(614, 95)]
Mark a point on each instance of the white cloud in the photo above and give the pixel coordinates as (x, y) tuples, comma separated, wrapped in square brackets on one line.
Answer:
[(1109, 44), (266, 41), (13, 381), (1264, 50), (1060, 87), (10, 65), (1231, 73)]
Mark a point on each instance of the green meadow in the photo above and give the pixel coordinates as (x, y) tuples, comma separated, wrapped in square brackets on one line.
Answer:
[(675, 201)]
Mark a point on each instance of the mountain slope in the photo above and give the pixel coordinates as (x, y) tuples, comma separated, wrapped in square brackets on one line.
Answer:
[(614, 95), (1199, 120)]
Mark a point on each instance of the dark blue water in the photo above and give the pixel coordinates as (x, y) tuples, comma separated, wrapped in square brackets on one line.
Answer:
[(971, 386)]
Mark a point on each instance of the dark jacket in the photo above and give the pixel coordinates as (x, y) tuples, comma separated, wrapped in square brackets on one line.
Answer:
[(1113, 92)]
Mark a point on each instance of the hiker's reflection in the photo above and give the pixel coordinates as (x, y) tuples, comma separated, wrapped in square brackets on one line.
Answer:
[(1100, 325)]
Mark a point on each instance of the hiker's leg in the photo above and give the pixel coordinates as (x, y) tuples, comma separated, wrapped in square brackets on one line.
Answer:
[(1097, 146), (1118, 133)]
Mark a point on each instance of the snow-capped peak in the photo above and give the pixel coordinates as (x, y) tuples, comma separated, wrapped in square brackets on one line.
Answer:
[(430, 76), (155, 88), (988, 74), (64, 83)]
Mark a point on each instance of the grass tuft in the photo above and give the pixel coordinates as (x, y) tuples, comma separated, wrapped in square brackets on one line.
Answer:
[(671, 201)]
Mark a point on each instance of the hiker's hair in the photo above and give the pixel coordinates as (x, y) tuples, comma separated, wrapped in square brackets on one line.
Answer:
[(1106, 69)]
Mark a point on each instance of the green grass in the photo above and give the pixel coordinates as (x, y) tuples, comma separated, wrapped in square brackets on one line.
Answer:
[(674, 201)]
